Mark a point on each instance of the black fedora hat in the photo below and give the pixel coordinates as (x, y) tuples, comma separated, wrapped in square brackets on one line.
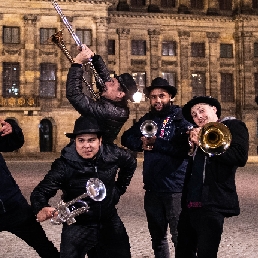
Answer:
[(84, 125), (186, 110), (128, 84), (163, 84)]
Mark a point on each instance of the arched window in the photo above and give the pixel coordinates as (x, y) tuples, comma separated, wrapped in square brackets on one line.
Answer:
[(45, 135)]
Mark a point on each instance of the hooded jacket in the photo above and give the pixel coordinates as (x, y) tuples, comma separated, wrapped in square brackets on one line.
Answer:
[(111, 115), (70, 173), (219, 189), (165, 165), (10, 194)]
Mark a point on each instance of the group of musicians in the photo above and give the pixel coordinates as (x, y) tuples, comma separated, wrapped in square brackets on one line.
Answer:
[(188, 188)]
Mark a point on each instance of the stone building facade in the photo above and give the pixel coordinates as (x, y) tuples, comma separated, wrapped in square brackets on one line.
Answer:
[(207, 47)]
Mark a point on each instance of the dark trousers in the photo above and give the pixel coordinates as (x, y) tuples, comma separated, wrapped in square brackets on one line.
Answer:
[(103, 240), (162, 209), (21, 222), (199, 233)]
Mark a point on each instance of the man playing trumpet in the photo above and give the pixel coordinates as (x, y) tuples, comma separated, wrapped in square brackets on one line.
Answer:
[(209, 192)]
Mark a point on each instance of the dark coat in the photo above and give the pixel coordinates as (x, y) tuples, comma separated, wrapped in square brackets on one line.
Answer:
[(70, 173), (10, 193), (164, 167), (110, 115), (219, 189)]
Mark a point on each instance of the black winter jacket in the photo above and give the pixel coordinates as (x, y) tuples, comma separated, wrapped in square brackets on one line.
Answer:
[(10, 193), (165, 165), (70, 173), (219, 189), (110, 115)]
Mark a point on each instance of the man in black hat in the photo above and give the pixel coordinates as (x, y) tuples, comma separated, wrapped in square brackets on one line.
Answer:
[(86, 157), (165, 160), (209, 193), (111, 109)]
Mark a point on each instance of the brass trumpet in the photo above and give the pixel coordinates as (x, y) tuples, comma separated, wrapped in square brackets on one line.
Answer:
[(95, 189), (149, 128), (214, 138)]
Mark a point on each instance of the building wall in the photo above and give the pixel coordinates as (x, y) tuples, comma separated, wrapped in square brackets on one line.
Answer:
[(122, 22)]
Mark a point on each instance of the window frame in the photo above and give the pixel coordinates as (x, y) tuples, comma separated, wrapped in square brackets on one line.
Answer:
[(196, 90), (12, 40), (84, 38), (227, 93), (140, 49), (45, 35), (226, 50), (168, 46), (197, 49)]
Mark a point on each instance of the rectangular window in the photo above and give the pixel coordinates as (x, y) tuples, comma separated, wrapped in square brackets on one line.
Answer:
[(255, 4), (47, 87), (225, 5), (138, 47), (170, 77), (11, 79), (168, 3), (197, 49), (111, 47), (137, 3), (198, 83), (227, 87), (256, 84), (11, 35), (256, 49), (45, 35), (168, 48), (85, 36), (226, 50), (197, 4)]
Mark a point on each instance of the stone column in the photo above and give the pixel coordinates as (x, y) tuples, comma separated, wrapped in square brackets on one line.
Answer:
[(154, 35), (101, 37), (124, 49), (212, 89), (28, 84), (185, 92)]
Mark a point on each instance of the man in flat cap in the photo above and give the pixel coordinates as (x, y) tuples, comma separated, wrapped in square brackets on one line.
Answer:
[(209, 192), (165, 160), (110, 110)]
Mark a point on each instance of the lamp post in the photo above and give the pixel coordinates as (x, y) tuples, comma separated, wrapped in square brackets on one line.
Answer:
[(137, 96)]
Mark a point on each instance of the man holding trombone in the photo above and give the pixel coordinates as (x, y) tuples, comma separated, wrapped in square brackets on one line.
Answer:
[(209, 193)]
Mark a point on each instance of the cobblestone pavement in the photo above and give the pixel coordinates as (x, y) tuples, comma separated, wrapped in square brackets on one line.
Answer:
[(239, 240)]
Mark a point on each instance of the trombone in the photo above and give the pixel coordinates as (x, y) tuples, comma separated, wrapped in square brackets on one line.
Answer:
[(214, 138)]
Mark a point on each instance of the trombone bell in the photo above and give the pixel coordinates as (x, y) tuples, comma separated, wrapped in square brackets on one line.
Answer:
[(214, 138)]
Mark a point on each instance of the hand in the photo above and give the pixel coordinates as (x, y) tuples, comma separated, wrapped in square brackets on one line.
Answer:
[(84, 56), (194, 136), (46, 213), (6, 128), (148, 142)]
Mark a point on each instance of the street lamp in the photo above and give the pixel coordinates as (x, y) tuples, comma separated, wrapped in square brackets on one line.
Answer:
[(137, 97)]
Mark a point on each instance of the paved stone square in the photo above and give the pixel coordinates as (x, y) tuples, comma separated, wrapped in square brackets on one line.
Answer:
[(239, 240)]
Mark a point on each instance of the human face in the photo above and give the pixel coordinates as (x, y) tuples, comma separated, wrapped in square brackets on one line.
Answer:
[(114, 90), (159, 98), (87, 145), (203, 113)]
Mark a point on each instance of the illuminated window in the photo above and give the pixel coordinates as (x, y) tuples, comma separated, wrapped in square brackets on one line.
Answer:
[(138, 47), (170, 77), (47, 87), (168, 48), (11, 75), (198, 83)]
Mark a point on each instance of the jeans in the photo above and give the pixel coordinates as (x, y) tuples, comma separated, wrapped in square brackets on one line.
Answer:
[(199, 233), (162, 209), (21, 222), (107, 239)]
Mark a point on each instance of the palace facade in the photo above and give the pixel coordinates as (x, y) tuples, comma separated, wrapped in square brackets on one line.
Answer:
[(202, 47)]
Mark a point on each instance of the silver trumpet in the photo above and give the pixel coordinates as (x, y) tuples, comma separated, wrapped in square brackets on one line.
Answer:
[(95, 189), (149, 128)]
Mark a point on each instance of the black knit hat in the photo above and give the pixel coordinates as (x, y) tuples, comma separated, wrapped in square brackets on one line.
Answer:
[(128, 84), (160, 83), (186, 110), (84, 125)]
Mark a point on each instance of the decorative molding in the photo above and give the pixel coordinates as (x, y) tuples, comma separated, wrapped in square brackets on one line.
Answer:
[(30, 18), (183, 34), (11, 52), (154, 32), (123, 31), (228, 65), (168, 63), (138, 62), (199, 64)]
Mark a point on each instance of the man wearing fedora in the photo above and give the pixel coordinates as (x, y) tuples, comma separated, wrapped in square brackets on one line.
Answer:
[(165, 161), (209, 192), (110, 110), (83, 158)]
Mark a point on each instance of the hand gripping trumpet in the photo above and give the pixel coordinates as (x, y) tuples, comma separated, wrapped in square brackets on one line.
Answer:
[(95, 189), (77, 41)]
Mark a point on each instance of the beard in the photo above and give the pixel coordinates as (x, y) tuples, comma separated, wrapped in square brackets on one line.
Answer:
[(163, 112)]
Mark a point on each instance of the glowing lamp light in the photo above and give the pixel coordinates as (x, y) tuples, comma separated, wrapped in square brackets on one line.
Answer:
[(137, 96)]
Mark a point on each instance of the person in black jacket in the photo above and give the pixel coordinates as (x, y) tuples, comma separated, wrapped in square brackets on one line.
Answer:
[(209, 193), (165, 160), (16, 216), (111, 109), (86, 157)]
